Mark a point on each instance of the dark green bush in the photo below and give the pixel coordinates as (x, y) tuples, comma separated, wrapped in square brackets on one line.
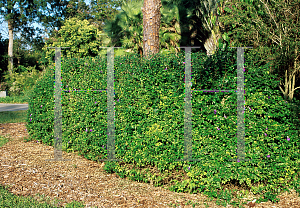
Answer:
[(149, 119)]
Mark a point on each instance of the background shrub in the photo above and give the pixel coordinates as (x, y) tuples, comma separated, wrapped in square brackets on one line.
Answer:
[(83, 39), (23, 82)]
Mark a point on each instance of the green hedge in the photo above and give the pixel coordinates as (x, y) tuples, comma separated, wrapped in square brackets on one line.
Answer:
[(149, 120)]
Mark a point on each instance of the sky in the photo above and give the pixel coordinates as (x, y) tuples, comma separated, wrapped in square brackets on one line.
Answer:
[(4, 26)]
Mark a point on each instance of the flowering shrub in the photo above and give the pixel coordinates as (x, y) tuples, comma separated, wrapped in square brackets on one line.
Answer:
[(149, 120)]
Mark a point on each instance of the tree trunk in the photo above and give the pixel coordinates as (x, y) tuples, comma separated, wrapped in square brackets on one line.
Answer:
[(10, 46), (289, 85), (212, 43), (151, 24)]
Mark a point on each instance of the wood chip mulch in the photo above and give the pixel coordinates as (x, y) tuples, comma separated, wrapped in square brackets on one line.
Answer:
[(23, 165)]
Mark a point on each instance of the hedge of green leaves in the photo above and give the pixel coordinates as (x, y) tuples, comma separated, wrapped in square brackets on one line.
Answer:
[(149, 119)]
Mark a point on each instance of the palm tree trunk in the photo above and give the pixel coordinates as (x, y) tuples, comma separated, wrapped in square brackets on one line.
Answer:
[(211, 44), (289, 85), (151, 24), (209, 16)]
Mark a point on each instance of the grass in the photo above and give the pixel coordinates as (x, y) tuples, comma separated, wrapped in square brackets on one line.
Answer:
[(7, 199), (14, 116), (15, 99)]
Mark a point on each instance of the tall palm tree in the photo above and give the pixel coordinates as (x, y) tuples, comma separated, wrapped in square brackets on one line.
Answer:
[(207, 12), (170, 31), (191, 31), (126, 29)]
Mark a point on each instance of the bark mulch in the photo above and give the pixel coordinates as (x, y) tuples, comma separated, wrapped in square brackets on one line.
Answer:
[(23, 165)]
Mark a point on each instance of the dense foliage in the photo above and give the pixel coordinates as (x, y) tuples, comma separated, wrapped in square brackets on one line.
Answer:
[(82, 38), (150, 132), (150, 97), (271, 28), (26, 69)]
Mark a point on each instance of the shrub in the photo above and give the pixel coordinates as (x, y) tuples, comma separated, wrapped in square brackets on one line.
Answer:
[(150, 119), (83, 39), (19, 83), (3, 86)]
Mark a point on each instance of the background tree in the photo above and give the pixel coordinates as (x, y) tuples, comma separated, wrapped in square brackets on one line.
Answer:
[(186, 19), (96, 13), (207, 12), (170, 31), (82, 37), (3, 56), (177, 27), (51, 14), (19, 50), (103, 11), (126, 29), (23, 57), (272, 28), (189, 22), (62, 11), (19, 15), (151, 25), (18, 20)]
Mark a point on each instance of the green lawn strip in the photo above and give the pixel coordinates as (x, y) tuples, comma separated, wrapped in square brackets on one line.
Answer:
[(7, 199), (14, 99)]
